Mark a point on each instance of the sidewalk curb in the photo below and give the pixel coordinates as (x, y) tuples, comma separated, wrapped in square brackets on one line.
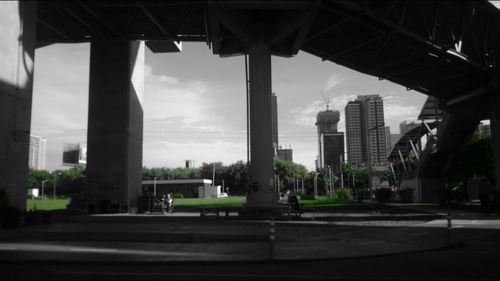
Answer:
[(230, 261)]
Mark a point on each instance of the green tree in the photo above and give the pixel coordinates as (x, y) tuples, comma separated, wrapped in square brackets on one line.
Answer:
[(185, 173), (236, 178), (156, 172), (207, 170), (475, 160), (35, 178), (361, 178), (289, 172)]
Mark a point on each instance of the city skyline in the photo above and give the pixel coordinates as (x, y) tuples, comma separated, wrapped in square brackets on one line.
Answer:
[(194, 103)]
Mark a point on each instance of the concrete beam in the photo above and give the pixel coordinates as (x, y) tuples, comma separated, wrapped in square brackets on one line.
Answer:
[(115, 124), (261, 141), (495, 136), (17, 54)]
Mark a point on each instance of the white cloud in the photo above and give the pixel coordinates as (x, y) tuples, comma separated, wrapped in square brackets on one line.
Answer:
[(170, 154), (180, 104), (400, 111), (332, 81)]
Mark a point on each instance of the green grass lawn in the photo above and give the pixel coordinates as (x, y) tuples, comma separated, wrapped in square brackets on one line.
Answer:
[(237, 201), (319, 202), (212, 202), (46, 204), (325, 201)]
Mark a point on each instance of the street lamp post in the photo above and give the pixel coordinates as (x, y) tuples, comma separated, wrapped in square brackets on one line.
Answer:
[(370, 157), (54, 187), (43, 185), (154, 186), (55, 183), (316, 184)]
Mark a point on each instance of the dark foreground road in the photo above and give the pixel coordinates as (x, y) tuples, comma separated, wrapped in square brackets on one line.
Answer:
[(473, 261)]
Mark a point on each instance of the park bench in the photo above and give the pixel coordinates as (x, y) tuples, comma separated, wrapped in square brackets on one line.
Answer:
[(281, 209), (218, 210)]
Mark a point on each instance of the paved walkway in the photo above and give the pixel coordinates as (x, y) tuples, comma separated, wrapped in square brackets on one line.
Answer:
[(183, 236)]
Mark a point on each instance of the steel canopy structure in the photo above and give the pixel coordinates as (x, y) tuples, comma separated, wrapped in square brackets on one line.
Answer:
[(447, 49)]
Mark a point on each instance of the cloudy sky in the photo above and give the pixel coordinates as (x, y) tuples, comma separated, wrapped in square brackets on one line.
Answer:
[(194, 103)]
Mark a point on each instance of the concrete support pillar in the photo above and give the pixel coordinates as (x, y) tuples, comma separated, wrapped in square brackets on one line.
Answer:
[(495, 137), (261, 141), (115, 125), (429, 189), (17, 54)]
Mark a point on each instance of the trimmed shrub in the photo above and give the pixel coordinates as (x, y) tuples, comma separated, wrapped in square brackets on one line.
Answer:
[(383, 195), (178, 195), (342, 193)]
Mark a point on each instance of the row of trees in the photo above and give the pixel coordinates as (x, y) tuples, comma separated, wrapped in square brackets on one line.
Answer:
[(289, 176), (64, 182), (476, 160)]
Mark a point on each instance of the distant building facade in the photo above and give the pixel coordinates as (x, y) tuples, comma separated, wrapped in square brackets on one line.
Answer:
[(285, 154), (406, 126), (189, 188), (388, 144), (365, 130), (484, 129), (354, 133), (330, 141), (189, 164), (37, 153), (280, 153), (274, 121), (74, 155)]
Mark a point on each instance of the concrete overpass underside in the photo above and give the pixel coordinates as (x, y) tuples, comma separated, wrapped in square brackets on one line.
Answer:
[(445, 49)]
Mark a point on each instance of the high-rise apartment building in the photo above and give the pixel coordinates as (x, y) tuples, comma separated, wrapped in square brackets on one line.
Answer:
[(354, 133), (280, 153), (330, 141), (274, 116), (388, 144), (406, 126), (284, 153), (36, 159), (365, 130)]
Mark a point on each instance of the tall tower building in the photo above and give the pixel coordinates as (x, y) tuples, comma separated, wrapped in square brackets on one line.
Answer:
[(36, 158), (388, 144), (330, 142), (354, 133), (274, 116), (280, 153), (406, 126), (366, 137)]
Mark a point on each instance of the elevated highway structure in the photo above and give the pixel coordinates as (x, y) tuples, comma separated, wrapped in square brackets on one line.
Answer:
[(445, 49)]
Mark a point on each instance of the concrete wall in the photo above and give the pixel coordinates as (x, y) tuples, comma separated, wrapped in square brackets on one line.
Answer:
[(495, 137), (209, 191), (17, 53), (115, 122), (413, 184)]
